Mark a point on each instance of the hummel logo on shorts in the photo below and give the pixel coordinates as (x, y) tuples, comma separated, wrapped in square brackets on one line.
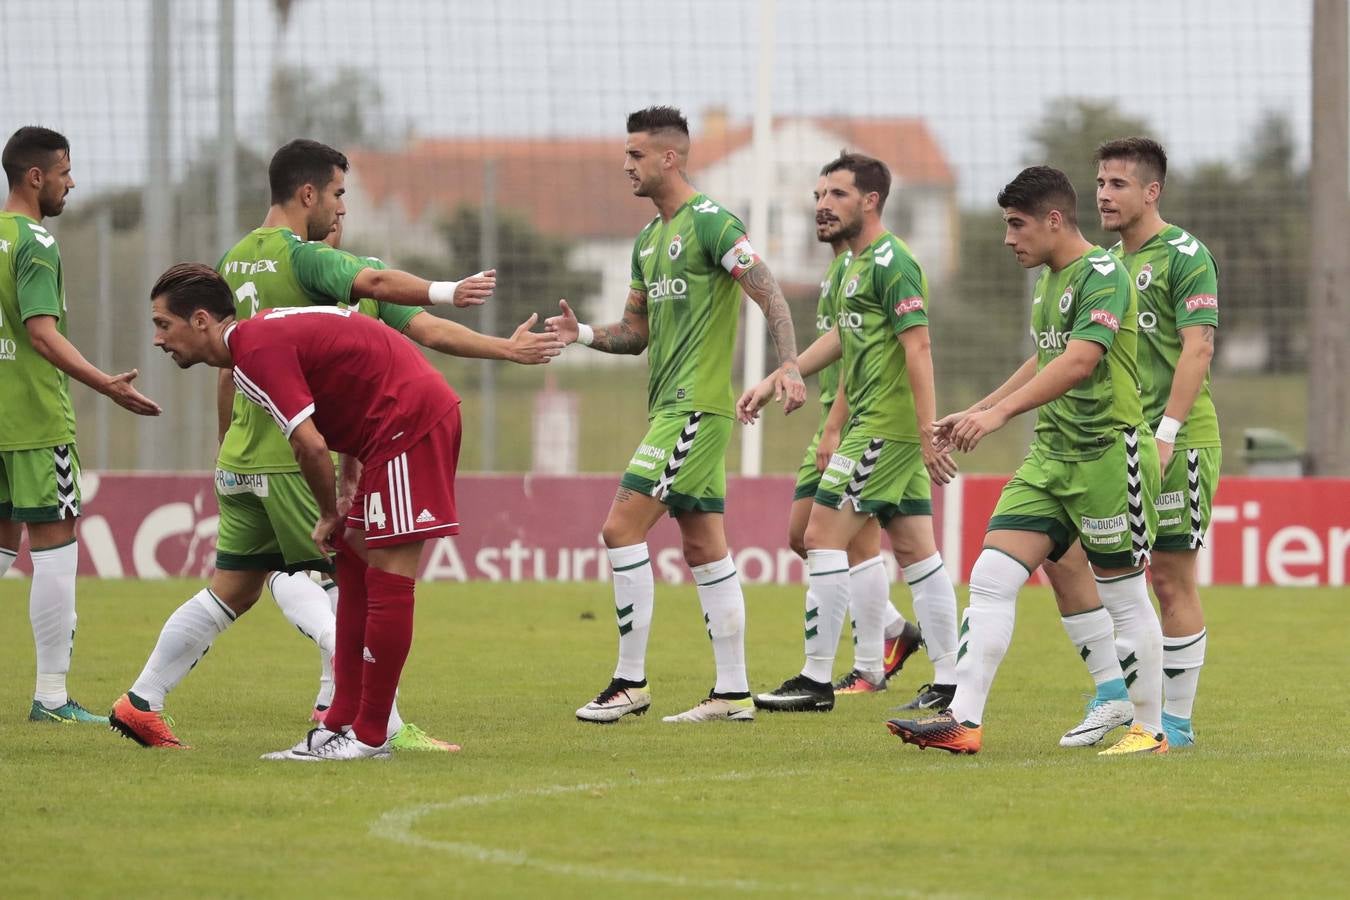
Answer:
[(424, 517)]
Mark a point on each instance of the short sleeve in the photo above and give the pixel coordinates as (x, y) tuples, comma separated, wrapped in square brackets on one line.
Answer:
[(271, 377), (37, 269), (324, 271), (636, 280), (903, 292), (1102, 303), (396, 315), (722, 236), (1195, 287)]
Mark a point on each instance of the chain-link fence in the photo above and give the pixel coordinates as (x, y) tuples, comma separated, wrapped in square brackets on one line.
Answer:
[(484, 133)]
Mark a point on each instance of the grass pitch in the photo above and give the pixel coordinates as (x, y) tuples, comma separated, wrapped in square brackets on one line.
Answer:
[(792, 805)]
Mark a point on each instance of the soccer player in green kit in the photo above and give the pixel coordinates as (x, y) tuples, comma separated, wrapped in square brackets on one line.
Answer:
[(39, 464), (267, 512), (882, 467), (689, 267), (1177, 282), (1091, 474)]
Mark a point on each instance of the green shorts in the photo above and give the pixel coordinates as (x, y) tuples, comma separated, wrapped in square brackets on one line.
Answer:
[(41, 485), (682, 461), (1187, 498), (266, 522), (883, 478), (1106, 503), (808, 476)]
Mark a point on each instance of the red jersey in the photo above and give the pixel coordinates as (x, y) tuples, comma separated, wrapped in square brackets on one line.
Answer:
[(371, 393)]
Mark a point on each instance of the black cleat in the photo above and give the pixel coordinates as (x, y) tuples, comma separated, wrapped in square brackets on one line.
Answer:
[(901, 647), (798, 694), (931, 696)]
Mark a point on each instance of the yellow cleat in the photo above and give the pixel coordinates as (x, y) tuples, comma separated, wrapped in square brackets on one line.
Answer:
[(1137, 740)]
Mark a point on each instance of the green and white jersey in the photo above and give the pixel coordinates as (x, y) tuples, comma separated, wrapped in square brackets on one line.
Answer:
[(34, 394), (269, 268), (1090, 299), (688, 268), (1178, 287), (826, 309), (884, 293)]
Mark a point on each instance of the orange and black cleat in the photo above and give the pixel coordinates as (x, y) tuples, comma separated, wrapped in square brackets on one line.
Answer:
[(901, 647), (142, 725), (941, 731)]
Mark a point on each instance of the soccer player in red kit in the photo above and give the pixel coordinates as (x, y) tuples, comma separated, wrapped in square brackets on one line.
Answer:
[(336, 381)]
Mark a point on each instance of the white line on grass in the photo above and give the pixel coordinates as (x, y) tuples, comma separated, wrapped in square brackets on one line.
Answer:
[(398, 825)]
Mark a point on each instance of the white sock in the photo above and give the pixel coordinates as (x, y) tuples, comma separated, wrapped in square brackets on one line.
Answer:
[(1182, 659), (1094, 635), (183, 640), (308, 607), (719, 592), (7, 558), (868, 597), (1139, 643), (395, 720), (51, 611), (895, 622), (634, 597), (935, 608), (986, 630), (325, 695), (826, 603)]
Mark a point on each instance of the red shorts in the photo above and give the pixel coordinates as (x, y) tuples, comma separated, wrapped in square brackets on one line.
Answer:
[(412, 496)]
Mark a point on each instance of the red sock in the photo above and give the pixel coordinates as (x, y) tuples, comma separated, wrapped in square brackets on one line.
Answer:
[(389, 627), (349, 641)]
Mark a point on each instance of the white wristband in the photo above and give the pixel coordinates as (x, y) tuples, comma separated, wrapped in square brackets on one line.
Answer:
[(585, 334), (442, 292), (1167, 430)]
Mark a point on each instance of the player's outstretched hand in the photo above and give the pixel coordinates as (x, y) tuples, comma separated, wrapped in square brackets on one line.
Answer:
[(939, 463), (940, 432), (789, 388), (121, 392), (753, 400), (533, 348), (476, 289), (564, 325), (968, 433)]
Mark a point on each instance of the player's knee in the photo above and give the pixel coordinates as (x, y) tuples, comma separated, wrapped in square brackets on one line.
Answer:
[(1173, 586), (996, 577)]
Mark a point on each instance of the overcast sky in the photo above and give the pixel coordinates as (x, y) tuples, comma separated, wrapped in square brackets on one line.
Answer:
[(981, 73)]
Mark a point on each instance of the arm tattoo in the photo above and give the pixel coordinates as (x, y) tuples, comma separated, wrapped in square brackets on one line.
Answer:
[(763, 288), (630, 334), (1208, 334)]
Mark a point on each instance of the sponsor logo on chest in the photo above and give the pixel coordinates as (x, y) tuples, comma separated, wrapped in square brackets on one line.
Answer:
[(1051, 339), (667, 288)]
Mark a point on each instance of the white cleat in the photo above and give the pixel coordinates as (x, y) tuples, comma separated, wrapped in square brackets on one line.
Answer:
[(315, 739), (621, 698), (716, 709), (1103, 717), (342, 748)]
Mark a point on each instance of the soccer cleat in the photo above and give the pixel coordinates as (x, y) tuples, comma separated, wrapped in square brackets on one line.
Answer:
[(717, 709), (68, 713), (942, 731), (342, 747), (315, 739), (1103, 717), (1137, 740), (901, 647), (410, 737), (144, 726), (621, 698), (319, 711), (1179, 732), (856, 682), (931, 696), (798, 694)]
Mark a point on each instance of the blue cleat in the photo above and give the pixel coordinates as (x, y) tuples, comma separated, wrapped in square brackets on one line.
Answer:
[(69, 713)]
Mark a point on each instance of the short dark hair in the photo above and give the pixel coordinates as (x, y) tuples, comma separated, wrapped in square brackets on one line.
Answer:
[(1039, 189), (658, 118), (299, 163), (1146, 153), (869, 174), (31, 146), (188, 287)]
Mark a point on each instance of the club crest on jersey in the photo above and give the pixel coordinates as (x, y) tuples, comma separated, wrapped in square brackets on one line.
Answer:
[(1145, 277), (852, 287), (676, 248), (1066, 299)]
